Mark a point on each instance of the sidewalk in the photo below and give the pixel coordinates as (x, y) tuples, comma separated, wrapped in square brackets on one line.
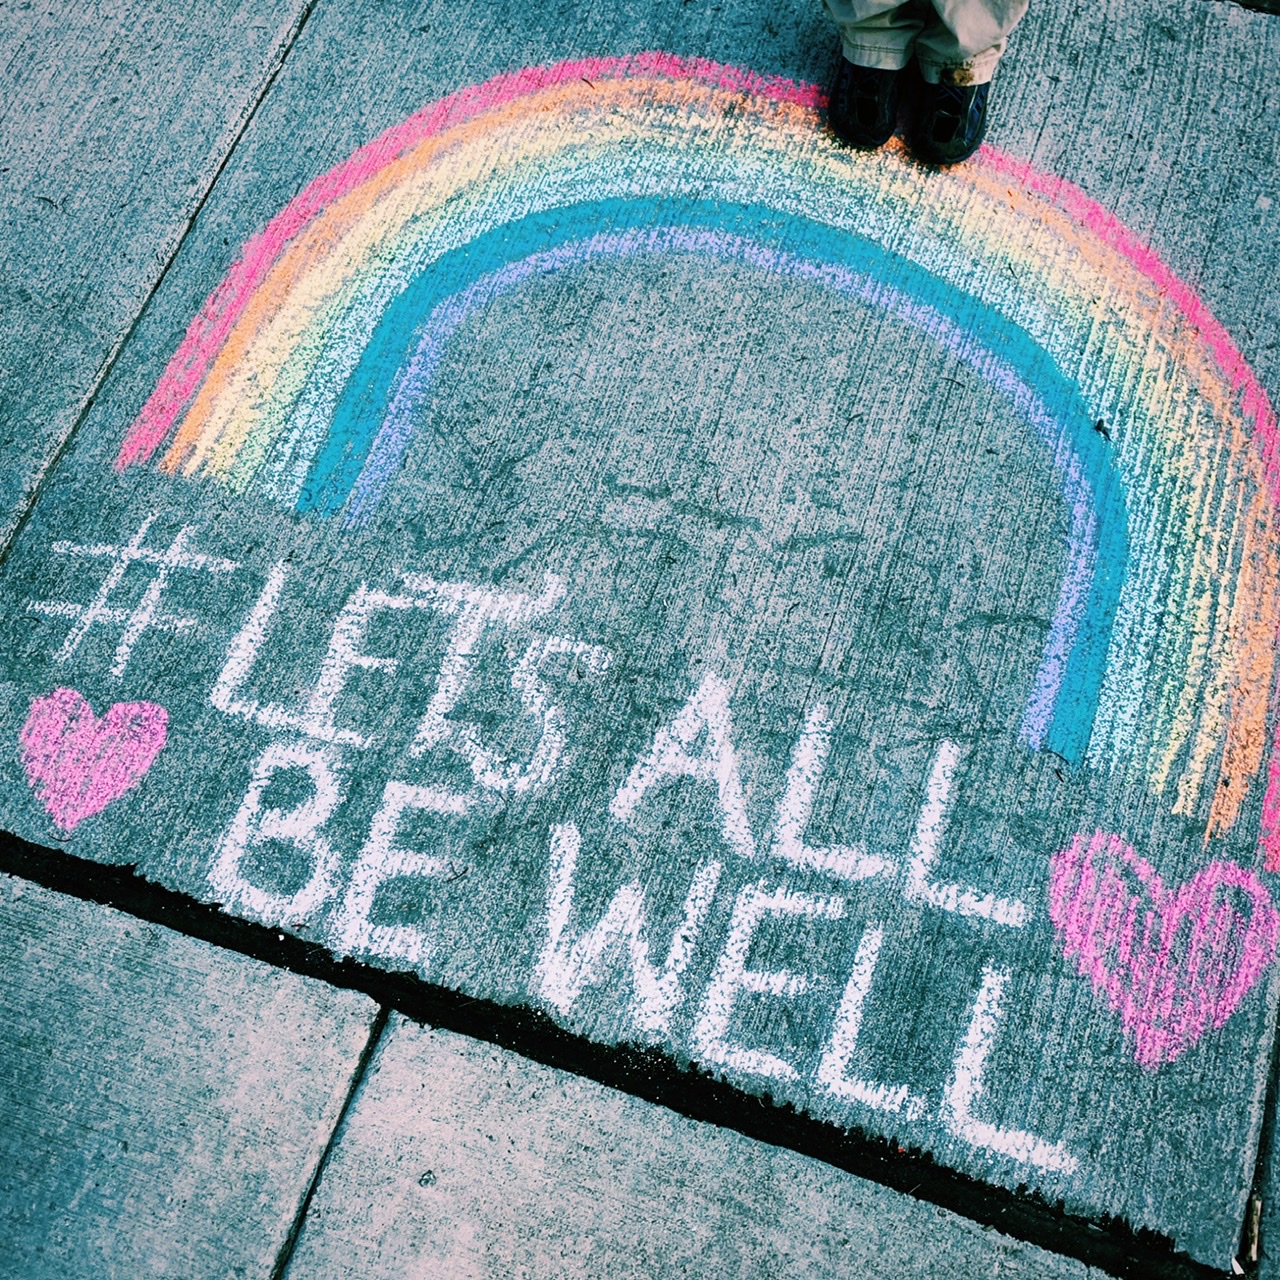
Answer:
[(768, 651)]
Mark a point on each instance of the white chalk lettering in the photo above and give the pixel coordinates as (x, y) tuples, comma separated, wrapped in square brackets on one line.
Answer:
[(731, 977), (841, 1048), (926, 844), (567, 968), (535, 698), (316, 718), (300, 827), (669, 758), (476, 610), (242, 653), (379, 861), (146, 615), (848, 862), (344, 657), (964, 1089)]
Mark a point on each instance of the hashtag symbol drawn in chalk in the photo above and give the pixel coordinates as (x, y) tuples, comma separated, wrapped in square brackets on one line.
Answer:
[(144, 616)]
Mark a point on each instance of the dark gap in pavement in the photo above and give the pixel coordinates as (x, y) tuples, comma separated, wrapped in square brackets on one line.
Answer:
[(376, 1028), (1249, 1251), (1112, 1245)]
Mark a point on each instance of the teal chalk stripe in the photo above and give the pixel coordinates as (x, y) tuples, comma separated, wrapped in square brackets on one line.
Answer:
[(364, 402)]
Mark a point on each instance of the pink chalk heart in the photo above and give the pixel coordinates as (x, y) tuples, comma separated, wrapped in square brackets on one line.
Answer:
[(1171, 962), (77, 763)]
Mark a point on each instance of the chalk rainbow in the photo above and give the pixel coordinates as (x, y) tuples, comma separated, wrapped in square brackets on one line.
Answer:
[(306, 376)]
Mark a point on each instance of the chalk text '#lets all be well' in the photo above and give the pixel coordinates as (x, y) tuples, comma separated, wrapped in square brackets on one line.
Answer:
[(697, 745)]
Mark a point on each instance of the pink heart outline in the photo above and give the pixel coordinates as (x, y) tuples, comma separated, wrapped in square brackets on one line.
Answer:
[(1169, 986), (78, 763)]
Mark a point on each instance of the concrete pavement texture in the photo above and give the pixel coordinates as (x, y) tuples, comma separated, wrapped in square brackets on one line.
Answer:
[(115, 120), (562, 528), (163, 1103), (440, 1171), (166, 1105)]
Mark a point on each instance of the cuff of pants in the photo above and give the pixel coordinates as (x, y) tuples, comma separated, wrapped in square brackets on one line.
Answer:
[(880, 56), (976, 70)]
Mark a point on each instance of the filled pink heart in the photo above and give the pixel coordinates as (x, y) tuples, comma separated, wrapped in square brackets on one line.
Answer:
[(77, 763), (1171, 962)]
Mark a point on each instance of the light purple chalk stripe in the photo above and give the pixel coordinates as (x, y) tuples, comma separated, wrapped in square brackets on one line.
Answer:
[(404, 412)]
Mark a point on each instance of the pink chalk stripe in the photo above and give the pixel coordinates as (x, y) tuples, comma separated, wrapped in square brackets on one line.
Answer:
[(1254, 401), (1269, 834), (212, 324), (1112, 232), (216, 318)]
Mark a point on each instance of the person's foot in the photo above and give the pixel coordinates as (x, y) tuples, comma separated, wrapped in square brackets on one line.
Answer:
[(863, 106), (950, 122)]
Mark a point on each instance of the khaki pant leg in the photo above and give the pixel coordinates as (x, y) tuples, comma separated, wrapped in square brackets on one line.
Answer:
[(964, 41), (879, 33)]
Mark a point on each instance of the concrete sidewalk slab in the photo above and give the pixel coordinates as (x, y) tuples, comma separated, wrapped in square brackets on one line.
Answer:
[(115, 119), (458, 1159), (163, 1104), (744, 658)]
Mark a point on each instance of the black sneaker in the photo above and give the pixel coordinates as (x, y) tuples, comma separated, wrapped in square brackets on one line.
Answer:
[(950, 122), (864, 104)]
